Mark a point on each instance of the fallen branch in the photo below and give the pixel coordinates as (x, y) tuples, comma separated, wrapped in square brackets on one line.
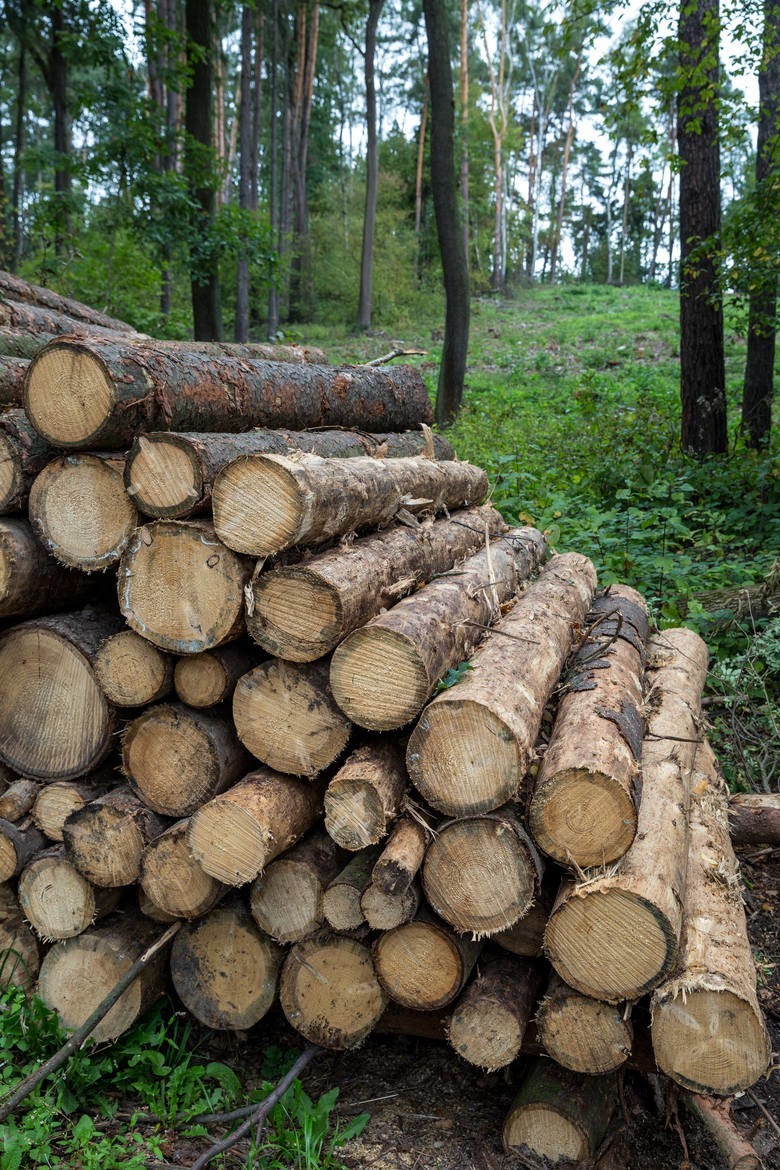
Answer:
[(77, 1038), (395, 353), (716, 1117)]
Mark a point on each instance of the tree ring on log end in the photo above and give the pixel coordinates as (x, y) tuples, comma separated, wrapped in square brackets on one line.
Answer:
[(582, 817), (419, 965), (329, 991), (258, 506), (227, 842), (200, 680), (162, 476), (379, 679), (545, 1131), (77, 975), (286, 901), (131, 671), (10, 472), (69, 395), (500, 1035), (584, 1034), (297, 615), (170, 759), (56, 898)]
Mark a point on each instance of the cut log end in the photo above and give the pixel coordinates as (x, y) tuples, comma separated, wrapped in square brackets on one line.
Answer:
[(68, 395), (163, 476), (81, 512), (421, 965), (255, 486), (384, 911), (584, 1034), (294, 614), (491, 1041), (545, 1131), (200, 680), (131, 671), (228, 842), (58, 901), (354, 814), (173, 881), (583, 814), (19, 953), (378, 679), (286, 902)]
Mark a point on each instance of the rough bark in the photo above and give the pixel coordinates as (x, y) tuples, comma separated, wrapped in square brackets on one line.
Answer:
[(266, 503), (172, 880), (365, 795), (38, 319), (99, 393), (581, 1033), (372, 169), (584, 807), (105, 838), (23, 454), (20, 343), (489, 1021), (45, 298), (19, 844), (558, 1115), (383, 674), (132, 671), (755, 818), (301, 612), (18, 799), (57, 800), (203, 680), (424, 965), (402, 856), (31, 581), (341, 900), (286, 900), (472, 747), (57, 900), (615, 937), (12, 375)]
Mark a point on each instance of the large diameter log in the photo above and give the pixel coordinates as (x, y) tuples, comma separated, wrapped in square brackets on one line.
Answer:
[(265, 503), (55, 722), (132, 671), (402, 856), (77, 975), (584, 807), (224, 969), (583, 1034), (341, 900), (755, 818), (482, 873), (12, 374), (181, 588), (20, 956), (329, 991), (105, 838), (423, 964), (614, 937), (81, 512), (31, 581), (172, 475), (57, 800), (17, 289), (490, 1019), (23, 454), (177, 758), (559, 1116), (287, 900), (302, 612), (20, 343), (19, 844), (286, 716), (383, 673), (235, 835), (708, 1031), (472, 747), (365, 795), (173, 881), (102, 393), (57, 900), (18, 799), (203, 680)]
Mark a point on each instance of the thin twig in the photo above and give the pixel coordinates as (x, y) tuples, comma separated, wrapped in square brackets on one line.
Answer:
[(394, 353), (764, 1110)]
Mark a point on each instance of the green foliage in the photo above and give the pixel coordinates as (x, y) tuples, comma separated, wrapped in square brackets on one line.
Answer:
[(303, 1134), (453, 676)]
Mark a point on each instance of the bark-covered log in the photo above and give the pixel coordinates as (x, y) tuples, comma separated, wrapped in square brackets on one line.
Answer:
[(171, 475), (482, 873), (584, 807), (716, 1117), (365, 795), (77, 975), (23, 454), (402, 856), (203, 680), (526, 936), (57, 800), (329, 991), (755, 818), (87, 392), (286, 716), (235, 835), (17, 289), (177, 758), (302, 611), (383, 673), (57, 900), (81, 512), (581, 1033), (490, 1018), (559, 1115), (173, 881), (105, 838), (12, 375), (180, 588), (32, 318), (383, 911), (423, 964), (472, 747), (615, 937), (19, 844), (18, 799), (20, 956), (708, 1031), (286, 900), (266, 503), (341, 900), (224, 969), (132, 671), (31, 581), (55, 722), (20, 343)]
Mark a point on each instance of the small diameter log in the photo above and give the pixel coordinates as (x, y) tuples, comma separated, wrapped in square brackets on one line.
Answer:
[(365, 795), (583, 1034), (20, 957), (754, 818), (150, 910), (103, 393), (57, 900), (287, 900), (329, 991), (424, 965), (16, 289), (482, 873), (559, 1115), (81, 512), (584, 807), (18, 799), (177, 758), (238, 833), (19, 343), (172, 475), (44, 319), (489, 1021), (472, 747), (383, 674), (77, 975), (341, 900), (716, 1117), (707, 1028), (56, 801), (224, 969), (172, 880), (203, 680), (266, 503), (31, 581), (384, 911), (180, 588), (614, 937), (402, 856), (105, 838), (286, 716), (19, 844), (23, 454), (133, 672), (55, 722), (526, 936), (12, 375), (301, 612)]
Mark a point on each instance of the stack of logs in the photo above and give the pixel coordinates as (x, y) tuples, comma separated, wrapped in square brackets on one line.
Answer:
[(331, 670)]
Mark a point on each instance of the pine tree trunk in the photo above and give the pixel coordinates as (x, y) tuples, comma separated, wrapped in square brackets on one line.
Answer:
[(365, 795), (57, 900), (203, 680), (581, 1033), (31, 581), (558, 1115), (424, 965), (204, 276), (286, 900)]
